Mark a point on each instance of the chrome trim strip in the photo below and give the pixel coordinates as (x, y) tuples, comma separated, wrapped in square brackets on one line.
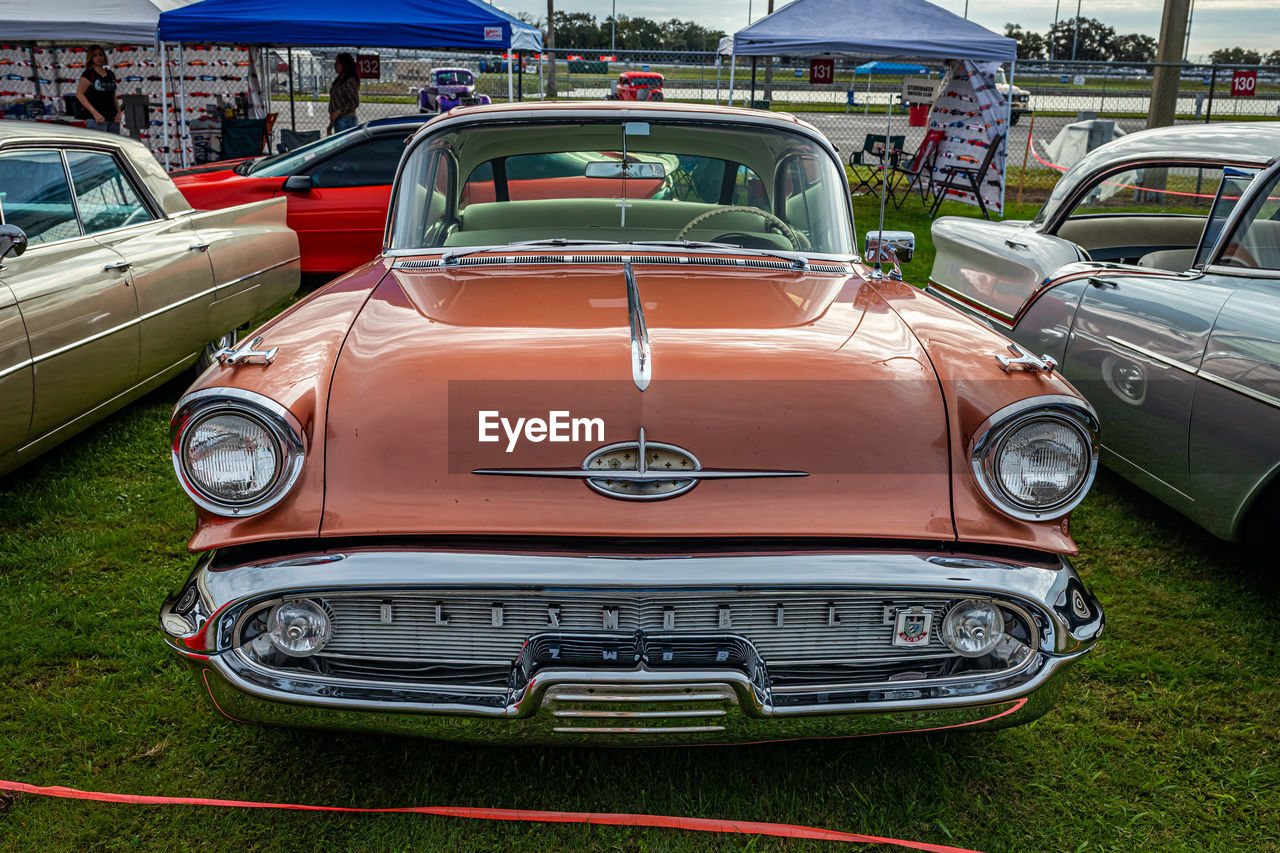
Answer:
[(155, 313), (1240, 389), (1154, 356), (968, 303), (641, 365), (14, 368), (261, 271), (637, 476)]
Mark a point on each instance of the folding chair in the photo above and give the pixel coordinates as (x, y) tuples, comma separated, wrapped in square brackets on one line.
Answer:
[(966, 179), (873, 156), (918, 174), (242, 137)]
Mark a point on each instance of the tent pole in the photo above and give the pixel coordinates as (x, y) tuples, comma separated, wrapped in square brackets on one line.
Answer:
[(520, 73), (1008, 114), (164, 103), (293, 113), (511, 80), (733, 66), (182, 110), (867, 105), (751, 102), (718, 63)]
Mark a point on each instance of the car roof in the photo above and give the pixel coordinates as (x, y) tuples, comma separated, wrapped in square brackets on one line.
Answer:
[(45, 131), (393, 121), (1249, 144), (640, 74)]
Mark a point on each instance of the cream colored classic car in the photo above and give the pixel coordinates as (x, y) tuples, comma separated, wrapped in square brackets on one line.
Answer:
[(110, 284)]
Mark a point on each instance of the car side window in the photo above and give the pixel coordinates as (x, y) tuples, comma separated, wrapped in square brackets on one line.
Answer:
[(35, 195), (106, 197), (1255, 243), (369, 164)]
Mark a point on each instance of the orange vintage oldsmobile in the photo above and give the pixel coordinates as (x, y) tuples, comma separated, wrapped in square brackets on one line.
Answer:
[(633, 467)]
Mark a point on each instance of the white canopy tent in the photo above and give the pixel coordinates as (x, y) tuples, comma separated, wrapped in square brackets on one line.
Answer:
[(903, 30), (84, 21)]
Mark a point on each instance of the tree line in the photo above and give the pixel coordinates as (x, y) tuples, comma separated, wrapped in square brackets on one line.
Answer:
[(581, 30), (1098, 42)]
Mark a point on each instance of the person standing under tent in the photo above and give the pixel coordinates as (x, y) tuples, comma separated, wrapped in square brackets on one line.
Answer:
[(344, 94), (96, 92)]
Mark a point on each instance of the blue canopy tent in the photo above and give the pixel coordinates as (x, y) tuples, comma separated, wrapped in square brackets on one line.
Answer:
[(466, 24), (871, 69)]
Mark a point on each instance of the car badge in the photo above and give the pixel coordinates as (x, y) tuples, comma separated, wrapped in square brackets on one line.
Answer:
[(640, 470), (912, 628)]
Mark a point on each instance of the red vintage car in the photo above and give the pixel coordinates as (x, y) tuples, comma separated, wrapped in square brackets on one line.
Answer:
[(337, 190), (630, 468), (636, 86)]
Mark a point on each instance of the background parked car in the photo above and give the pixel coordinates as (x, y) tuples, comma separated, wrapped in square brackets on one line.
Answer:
[(110, 283), (1152, 275), (1021, 105), (636, 86), (337, 190), (449, 88)]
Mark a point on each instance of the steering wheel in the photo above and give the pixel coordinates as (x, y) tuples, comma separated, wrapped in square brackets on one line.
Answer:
[(797, 240)]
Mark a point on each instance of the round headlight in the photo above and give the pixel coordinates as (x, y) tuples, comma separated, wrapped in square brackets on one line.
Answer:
[(973, 628), (237, 453), (298, 628), (233, 458), (1042, 462), (1037, 465)]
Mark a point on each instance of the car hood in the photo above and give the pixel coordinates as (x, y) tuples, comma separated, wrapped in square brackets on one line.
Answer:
[(754, 371)]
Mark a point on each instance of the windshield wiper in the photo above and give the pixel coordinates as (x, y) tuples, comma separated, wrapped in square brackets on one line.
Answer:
[(451, 258), (799, 263)]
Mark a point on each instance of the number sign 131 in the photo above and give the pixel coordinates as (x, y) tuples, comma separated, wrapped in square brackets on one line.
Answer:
[(822, 71)]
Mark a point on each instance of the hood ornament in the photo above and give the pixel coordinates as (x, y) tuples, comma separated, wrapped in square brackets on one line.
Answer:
[(231, 356), (641, 368), (641, 470), (1043, 364)]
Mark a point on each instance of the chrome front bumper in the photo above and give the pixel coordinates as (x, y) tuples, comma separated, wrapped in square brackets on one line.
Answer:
[(643, 700)]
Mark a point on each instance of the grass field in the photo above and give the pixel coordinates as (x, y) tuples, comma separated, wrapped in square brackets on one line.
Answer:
[(1167, 737)]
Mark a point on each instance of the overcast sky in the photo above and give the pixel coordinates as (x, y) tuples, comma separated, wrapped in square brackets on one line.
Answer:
[(1215, 23)]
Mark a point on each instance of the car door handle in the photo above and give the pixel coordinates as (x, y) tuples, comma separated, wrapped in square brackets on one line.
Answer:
[(1015, 244), (1101, 283), (199, 247), (120, 267)]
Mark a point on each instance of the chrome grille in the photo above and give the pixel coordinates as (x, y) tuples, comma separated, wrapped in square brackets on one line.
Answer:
[(786, 630)]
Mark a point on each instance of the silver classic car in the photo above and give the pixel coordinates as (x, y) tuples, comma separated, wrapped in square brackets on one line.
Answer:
[(1152, 276), (110, 284)]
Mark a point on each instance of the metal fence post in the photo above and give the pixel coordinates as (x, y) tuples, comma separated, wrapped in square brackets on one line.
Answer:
[(1213, 80)]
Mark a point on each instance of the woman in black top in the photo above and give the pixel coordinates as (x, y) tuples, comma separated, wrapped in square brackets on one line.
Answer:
[(97, 92)]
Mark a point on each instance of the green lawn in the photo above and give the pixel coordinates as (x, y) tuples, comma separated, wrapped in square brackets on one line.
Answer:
[(1166, 738)]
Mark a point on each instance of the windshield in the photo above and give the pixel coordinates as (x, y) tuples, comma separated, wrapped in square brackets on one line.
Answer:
[(453, 78), (622, 182), (293, 162)]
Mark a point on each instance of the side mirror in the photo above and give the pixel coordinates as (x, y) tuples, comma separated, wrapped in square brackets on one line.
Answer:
[(893, 247), (13, 241), (297, 184)]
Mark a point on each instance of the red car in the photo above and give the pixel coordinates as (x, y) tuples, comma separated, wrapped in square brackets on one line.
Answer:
[(338, 189), (637, 86)]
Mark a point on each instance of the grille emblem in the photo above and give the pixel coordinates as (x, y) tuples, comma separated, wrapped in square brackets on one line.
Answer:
[(609, 619), (441, 619), (553, 615), (384, 613), (495, 616)]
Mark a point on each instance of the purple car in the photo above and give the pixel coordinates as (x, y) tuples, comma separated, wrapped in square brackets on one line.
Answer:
[(449, 88)]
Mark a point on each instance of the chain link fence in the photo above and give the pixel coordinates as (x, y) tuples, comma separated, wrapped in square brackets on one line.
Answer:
[(855, 106)]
